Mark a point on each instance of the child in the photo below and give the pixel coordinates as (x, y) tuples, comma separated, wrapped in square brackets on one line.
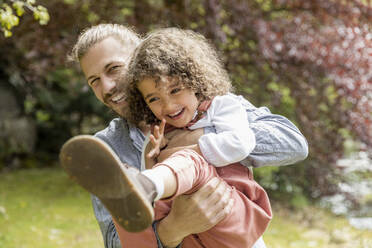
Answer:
[(175, 76)]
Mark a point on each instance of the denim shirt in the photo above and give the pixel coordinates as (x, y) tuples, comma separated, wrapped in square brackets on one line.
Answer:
[(278, 142)]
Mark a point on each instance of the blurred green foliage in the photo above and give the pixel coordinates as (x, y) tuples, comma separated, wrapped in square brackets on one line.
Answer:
[(12, 10), (279, 54)]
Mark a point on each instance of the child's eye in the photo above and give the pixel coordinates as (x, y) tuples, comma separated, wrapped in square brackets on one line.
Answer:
[(152, 99)]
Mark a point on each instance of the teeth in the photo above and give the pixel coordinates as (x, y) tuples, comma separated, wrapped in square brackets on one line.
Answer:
[(118, 98), (176, 113)]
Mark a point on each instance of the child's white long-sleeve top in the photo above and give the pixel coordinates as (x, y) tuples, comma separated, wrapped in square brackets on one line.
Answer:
[(233, 141)]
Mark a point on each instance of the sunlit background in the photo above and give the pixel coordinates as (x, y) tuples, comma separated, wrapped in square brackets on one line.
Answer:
[(310, 61)]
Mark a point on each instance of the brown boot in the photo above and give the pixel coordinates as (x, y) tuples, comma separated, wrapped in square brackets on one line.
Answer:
[(125, 192)]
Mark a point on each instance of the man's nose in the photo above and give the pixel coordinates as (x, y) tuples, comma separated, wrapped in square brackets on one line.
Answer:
[(108, 85)]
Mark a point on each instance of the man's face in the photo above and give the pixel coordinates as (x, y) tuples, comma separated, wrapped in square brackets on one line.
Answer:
[(102, 65)]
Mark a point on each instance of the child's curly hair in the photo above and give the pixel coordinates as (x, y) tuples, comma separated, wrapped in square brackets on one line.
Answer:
[(180, 54)]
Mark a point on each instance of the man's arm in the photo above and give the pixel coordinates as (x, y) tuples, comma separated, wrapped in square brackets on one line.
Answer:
[(278, 140), (194, 213)]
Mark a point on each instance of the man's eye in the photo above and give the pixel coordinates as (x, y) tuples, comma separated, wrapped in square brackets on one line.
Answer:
[(93, 82), (114, 68), (175, 90)]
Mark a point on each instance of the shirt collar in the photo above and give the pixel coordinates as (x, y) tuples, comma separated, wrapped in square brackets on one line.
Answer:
[(137, 136)]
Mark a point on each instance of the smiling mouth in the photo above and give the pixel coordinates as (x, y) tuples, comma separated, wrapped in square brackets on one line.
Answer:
[(118, 98), (176, 115)]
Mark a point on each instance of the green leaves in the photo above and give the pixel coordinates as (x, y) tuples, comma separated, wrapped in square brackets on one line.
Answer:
[(41, 14), (11, 10), (18, 7), (7, 19)]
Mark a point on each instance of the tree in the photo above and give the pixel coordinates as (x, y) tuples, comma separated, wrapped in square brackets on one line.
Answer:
[(9, 19), (307, 60), (322, 54)]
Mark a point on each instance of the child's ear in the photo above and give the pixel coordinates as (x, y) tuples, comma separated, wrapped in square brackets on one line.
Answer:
[(199, 96)]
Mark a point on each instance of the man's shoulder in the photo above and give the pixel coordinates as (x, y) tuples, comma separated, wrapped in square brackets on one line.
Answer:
[(115, 127), (252, 111), (115, 133), (241, 99), (125, 140), (232, 98)]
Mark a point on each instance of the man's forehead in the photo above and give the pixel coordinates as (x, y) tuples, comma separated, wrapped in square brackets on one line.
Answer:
[(97, 64), (109, 49)]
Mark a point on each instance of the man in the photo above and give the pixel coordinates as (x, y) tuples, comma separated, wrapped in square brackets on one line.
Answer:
[(103, 52)]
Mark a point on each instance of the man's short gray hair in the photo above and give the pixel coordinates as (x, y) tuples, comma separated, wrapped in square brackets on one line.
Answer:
[(91, 36)]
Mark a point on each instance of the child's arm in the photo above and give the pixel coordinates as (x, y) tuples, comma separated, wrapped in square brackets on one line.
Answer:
[(278, 141), (233, 140)]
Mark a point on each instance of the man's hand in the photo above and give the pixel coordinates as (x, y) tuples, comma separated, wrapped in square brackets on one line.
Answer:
[(196, 213)]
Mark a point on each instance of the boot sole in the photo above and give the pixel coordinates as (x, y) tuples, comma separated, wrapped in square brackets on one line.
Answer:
[(93, 165)]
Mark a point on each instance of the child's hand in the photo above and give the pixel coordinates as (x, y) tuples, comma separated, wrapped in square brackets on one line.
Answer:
[(157, 140)]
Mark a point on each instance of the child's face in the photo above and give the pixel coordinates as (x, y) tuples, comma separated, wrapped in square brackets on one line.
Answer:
[(170, 101)]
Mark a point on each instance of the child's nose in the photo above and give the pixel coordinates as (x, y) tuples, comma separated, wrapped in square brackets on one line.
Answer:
[(168, 105)]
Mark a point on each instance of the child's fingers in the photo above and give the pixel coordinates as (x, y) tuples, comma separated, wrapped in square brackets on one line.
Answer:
[(162, 126), (153, 141), (156, 131), (151, 153), (155, 147)]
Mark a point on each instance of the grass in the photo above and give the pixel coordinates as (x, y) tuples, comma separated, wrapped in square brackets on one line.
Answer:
[(313, 227), (42, 208)]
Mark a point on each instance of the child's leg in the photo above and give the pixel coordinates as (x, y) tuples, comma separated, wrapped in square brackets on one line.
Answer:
[(242, 227), (187, 171), (163, 179), (124, 191), (248, 218)]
